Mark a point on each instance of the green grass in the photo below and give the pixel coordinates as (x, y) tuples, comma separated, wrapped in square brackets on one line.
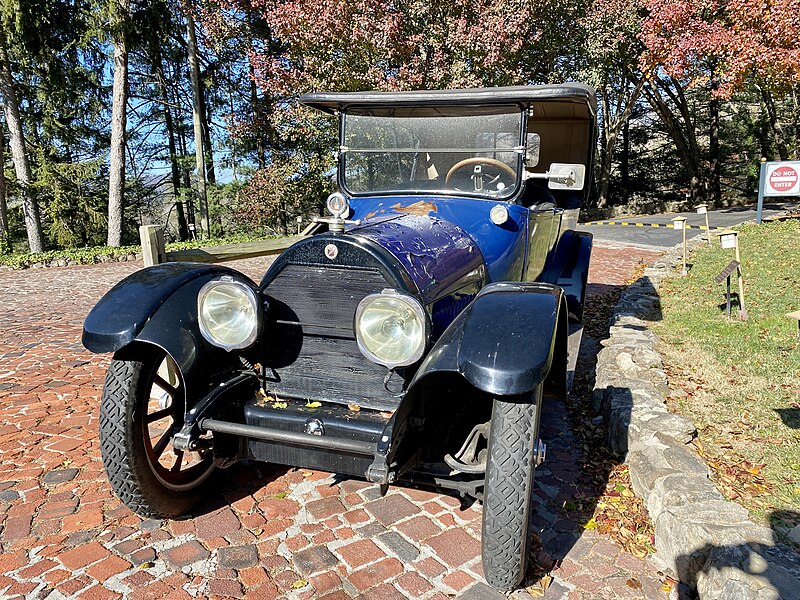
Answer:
[(740, 380), (91, 255)]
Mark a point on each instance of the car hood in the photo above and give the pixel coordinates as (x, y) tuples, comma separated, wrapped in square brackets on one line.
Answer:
[(438, 256)]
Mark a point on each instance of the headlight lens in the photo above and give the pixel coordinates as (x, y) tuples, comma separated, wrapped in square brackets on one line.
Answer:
[(228, 313), (391, 329)]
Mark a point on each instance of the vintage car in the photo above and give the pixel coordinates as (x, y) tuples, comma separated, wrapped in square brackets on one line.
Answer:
[(415, 337)]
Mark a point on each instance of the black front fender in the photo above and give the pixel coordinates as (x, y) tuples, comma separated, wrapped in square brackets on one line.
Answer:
[(158, 305), (505, 341)]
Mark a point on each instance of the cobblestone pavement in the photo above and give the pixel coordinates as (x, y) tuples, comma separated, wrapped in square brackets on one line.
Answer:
[(271, 532)]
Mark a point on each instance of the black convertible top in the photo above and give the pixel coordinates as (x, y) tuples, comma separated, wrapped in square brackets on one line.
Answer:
[(577, 93)]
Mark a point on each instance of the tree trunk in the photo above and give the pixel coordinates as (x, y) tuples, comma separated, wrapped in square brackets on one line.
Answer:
[(232, 138), (624, 161), (775, 124), (681, 130), (715, 187), (208, 151), (604, 164), (183, 231), (283, 224), (22, 167), (714, 165), (611, 129), (119, 110), (194, 74), (184, 150), (261, 152), (5, 242), (187, 183)]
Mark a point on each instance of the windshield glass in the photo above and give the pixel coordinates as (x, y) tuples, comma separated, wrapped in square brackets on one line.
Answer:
[(468, 150)]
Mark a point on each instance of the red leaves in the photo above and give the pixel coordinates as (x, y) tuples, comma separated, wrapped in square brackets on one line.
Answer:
[(379, 44), (726, 41)]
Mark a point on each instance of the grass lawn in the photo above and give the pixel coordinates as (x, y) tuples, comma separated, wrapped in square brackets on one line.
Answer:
[(739, 381)]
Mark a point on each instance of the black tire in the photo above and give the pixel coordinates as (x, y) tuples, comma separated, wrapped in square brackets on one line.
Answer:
[(508, 490), (143, 399)]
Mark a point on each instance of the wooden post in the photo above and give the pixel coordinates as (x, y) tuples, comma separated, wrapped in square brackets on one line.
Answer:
[(702, 209), (153, 249), (680, 223), (742, 309), (795, 315)]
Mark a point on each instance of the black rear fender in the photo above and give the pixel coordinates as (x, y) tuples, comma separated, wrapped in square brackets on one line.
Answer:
[(158, 306), (508, 341)]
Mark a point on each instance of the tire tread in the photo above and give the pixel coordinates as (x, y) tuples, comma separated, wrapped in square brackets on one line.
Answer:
[(507, 492), (127, 469)]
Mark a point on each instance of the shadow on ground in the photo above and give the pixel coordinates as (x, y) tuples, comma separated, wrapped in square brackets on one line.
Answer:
[(738, 569)]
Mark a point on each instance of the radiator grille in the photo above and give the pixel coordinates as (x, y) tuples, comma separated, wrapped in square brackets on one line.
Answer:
[(311, 348)]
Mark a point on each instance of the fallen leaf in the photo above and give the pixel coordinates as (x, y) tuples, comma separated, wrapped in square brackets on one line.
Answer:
[(313, 404), (279, 405), (539, 589), (300, 583), (591, 524), (146, 565), (354, 407), (634, 584)]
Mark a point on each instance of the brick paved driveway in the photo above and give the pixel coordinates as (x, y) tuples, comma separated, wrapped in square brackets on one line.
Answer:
[(271, 532)]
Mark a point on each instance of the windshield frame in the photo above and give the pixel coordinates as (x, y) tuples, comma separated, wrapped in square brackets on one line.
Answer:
[(471, 109)]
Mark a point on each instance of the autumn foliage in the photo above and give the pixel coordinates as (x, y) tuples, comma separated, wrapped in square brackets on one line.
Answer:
[(378, 44), (728, 41)]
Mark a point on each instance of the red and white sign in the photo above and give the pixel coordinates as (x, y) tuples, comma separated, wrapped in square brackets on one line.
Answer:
[(781, 179)]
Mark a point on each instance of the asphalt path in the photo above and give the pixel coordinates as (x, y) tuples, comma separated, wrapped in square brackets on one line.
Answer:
[(665, 237)]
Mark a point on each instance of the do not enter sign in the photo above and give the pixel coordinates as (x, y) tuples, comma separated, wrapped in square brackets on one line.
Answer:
[(782, 179)]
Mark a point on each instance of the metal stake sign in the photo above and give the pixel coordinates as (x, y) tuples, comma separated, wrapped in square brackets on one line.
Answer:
[(777, 179), (724, 275)]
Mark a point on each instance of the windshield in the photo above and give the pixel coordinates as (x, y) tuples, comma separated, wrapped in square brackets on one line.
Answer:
[(468, 150)]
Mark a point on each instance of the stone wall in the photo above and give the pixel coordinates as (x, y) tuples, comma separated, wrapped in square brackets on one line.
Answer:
[(706, 541)]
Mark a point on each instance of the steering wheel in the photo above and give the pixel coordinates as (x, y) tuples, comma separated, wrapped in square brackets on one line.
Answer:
[(479, 160)]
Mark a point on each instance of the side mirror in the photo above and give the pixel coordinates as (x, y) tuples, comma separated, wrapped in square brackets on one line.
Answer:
[(564, 176)]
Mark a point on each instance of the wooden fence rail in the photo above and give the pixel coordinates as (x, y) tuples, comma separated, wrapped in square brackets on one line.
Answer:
[(154, 252)]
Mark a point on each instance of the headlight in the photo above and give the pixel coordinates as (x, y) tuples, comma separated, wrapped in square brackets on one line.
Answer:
[(391, 329), (227, 311)]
